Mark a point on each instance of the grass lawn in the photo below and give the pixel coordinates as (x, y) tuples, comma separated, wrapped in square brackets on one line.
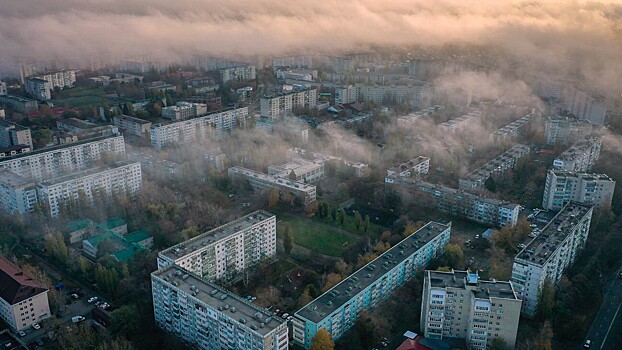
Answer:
[(348, 225), (317, 238), (79, 97)]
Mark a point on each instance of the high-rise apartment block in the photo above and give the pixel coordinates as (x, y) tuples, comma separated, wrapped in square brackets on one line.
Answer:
[(132, 125), (581, 156), (507, 160), (17, 194), (55, 161), (338, 308), (566, 130), (210, 126), (184, 110), (19, 104), (514, 129), (222, 253), (457, 124), (23, 301), (304, 192), (38, 88), (238, 73), (12, 134), (275, 106), (61, 79), (458, 304), (562, 187), (548, 255)]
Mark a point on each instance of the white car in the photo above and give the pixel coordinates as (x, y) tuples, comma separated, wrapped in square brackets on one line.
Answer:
[(587, 344), (36, 326), (77, 319), (92, 299), (22, 333)]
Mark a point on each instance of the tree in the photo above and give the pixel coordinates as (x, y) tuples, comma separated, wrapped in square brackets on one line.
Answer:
[(305, 298), (366, 223), (544, 341), (490, 184), (454, 256), (125, 320), (322, 341), (273, 197), (331, 280), (288, 239), (342, 216), (498, 344), (342, 191), (357, 220), (333, 213), (55, 246), (546, 301)]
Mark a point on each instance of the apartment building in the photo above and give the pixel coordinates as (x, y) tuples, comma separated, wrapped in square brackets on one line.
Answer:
[(38, 88), (184, 110), (19, 104), (359, 169), (17, 194), (55, 161), (209, 317), (124, 178), (500, 164), (585, 106), (275, 106), (23, 301), (132, 125), (304, 192), (61, 79), (12, 134), (417, 95), (459, 123), (458, 304), (548, 255), (514, 129), (3, 89), (14, 150), (237, 73), (222, 253), (346, 94), (566, 130), (470, 206), (581, 156), (338, 308), (210, 126), (301, 170), (413, 167), (562, 187), (409, 120)]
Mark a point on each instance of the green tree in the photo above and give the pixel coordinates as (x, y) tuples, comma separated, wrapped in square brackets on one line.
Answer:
[(498, 344), (454, 256), (342, 191), (544, 341), (322, 341), (342, 216), (490, 184), (273, 198), (357, 220), (125, 320), (288, 239), (366, 223), (546, 301), (56, 248)]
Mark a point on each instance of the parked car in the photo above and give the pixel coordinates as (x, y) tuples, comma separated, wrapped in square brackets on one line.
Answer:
[(587, 344), (92, 300), (36, 326), (75, 296), (77, 319), (22, 333)]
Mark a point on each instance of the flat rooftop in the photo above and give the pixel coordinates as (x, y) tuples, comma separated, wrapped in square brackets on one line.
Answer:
[(9, 124), (499, 161), (13, 180), (58, 148), (167, 122), (585, 176), (132, 119), (410, 164), (273, 179), (554, 233), (429, 187), (84, 173), (260, 320), (482, 289), (211, 236), (347, 289)]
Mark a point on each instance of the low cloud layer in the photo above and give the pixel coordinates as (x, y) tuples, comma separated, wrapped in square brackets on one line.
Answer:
[(555, 35)]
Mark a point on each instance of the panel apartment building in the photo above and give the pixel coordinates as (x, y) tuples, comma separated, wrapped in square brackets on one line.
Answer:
[(55, 161), (132, 125), (507, 160), (210, 126), (581, 156), (19, 104), (514, 129), (17, 194), (548, 255), (413, 167), (278, 105), (125, 178), (470, 206), (243, 72), (12, 134), (338, 308), (209, 317), (305, 192), (299, 169), (222, 253), (562, 187), (565, 130), (458, 304), (184, 110), (23, 301), (460, 123)]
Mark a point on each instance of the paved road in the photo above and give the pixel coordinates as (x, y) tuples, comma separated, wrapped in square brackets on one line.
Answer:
[(606, 330)]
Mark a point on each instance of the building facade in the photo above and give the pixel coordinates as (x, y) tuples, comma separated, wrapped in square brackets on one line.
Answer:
[(548, 255), (12, 134), (507, 160), (304, 192), (184, 110), (302, 170), (211, 318), (565, 130), (460, 123), (562, 187), (132, 125), (238, 73), (338, 308), (38, 88), (222, 253), (23, 301), (17, 194), (458, 304), (275, 106), (19, 104), (61, 79), (581, 156), (211, 126), (413, 167)]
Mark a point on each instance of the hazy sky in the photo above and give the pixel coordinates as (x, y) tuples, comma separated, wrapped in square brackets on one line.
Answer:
[(556, 32)]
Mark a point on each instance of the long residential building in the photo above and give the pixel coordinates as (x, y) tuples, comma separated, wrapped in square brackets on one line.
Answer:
[(275, 106), (304, 192), (210, 126), (40, 89), (417, 94), (470, 206), (132, 125), (498, 165), (562, 187), (581, 156), (17, 194), (457, 124), (19, 104), (413, 167), (209, 317), (61, 79), (458, 304), (299, 169), (124, 178), (243, 72), (184, 110), (566, 130), (55, 161), (548, 255), (222, 253), (514, 129), (23, 301), (12, 134), (338, 308)]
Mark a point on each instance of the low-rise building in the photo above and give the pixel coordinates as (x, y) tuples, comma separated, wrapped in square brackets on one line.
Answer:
[(566, 130), (458, 304), (338, 308), (216, 158), (121, 248), (507, 160), (304, 192), (562, 187), (299, 169), (548, 255), (132, 125), (460, 123), (413, 167), (212, 317), (19, 104), (581, 156), (184, 110), (23, 301), (222, 253)]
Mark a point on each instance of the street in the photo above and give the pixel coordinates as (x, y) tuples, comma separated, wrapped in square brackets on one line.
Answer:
[(606, 330)]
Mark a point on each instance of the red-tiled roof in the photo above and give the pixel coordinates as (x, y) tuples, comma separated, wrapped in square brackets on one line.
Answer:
[(15, 285), (413, 344)]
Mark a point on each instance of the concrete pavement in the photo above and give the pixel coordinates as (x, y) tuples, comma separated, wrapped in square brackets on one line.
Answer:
[(606, 330)]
